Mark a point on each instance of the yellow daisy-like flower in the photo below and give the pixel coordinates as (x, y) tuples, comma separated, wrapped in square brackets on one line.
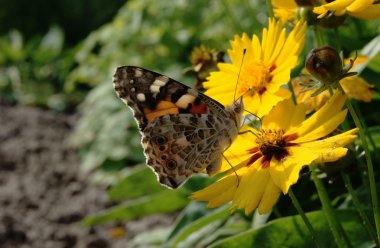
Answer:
[(285, 10), (265, 69), (363, 9), (355, 87), (273, 157)]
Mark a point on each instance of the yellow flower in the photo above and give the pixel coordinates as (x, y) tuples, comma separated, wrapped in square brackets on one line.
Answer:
[(285, 10), (265, 69), (363, 9), (355, 87), (269, 162)]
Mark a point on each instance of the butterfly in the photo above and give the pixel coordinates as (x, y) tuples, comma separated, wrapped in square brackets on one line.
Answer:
[(184, 132)]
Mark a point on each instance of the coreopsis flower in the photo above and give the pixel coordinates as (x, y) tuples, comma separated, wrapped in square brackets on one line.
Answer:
[(268, 160), (266, 67), (363, 9), (285, 10)]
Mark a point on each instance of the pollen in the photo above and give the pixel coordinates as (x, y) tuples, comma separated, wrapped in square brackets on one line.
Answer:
[(254, 78), (271, 143)]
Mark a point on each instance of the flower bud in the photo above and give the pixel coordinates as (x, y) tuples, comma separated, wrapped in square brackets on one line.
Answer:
[(325, 64), (204, 60)]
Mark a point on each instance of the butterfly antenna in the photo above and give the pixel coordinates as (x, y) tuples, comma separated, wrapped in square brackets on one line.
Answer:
[(237, 177), (237, 80)]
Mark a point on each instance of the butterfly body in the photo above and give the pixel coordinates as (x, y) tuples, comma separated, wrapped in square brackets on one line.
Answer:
[(183, 130)]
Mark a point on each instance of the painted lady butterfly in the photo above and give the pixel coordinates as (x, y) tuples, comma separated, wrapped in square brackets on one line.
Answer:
[(183, 130)]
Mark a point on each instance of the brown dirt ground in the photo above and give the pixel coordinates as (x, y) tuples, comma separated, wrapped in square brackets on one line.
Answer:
[(42, 194)]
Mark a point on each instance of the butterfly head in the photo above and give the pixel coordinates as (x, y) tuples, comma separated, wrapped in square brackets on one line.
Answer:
[(236, 109)]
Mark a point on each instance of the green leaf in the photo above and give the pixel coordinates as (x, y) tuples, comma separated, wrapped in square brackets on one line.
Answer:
[(371, 50), (151, 237), (166, 201), (140, 182), (292, 232), (200, 227)]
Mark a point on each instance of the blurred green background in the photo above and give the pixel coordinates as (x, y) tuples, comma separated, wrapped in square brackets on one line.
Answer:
[(60, 56)]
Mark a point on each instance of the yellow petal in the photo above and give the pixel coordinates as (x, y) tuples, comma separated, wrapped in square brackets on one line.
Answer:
[(285, 173), (324, 129), (253, 104), (277, 120), (219, 192), (336, 5), (269, 198), (268, 100), (251, 188), (371, 12), (333, 141), (359, 5), (287, 4), (330, 154), (357, 88), (330, 109), (238, 45)]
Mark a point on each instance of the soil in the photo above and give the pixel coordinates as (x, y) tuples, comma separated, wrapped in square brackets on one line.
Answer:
[(43, 195)]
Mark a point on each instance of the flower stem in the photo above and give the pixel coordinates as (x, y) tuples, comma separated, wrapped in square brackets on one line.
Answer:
[(270, 8), (371, 174), (355, 200), (291, 88), (318, 36), (339, 234), (300, 211)]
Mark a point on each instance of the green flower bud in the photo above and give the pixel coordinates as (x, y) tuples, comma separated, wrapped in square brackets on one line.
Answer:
[(325, 64)]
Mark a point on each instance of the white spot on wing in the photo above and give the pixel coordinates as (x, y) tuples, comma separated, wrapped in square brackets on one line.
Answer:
[(184, 101), (161, 81), (154, 88), (138, 73), (141, 97)]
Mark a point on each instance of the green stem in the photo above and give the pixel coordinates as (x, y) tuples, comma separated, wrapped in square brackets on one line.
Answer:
[(355, 200), (318, 36), (371, 174), (366, 131), (340, 236), (291, 88), (270, 8), (300, 211), (337, 37)]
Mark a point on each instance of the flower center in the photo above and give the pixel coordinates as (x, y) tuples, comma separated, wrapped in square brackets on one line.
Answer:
[(271, 143), (254, 78)]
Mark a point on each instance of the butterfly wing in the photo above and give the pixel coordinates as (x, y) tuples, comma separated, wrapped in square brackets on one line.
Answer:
[(151, 95), (178, 146), (183, 130)]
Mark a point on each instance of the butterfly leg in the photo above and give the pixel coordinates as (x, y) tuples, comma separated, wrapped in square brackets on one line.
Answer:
[(237, 177)]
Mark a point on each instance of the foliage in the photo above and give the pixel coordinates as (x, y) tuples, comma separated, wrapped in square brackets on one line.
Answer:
[(34, 72)]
